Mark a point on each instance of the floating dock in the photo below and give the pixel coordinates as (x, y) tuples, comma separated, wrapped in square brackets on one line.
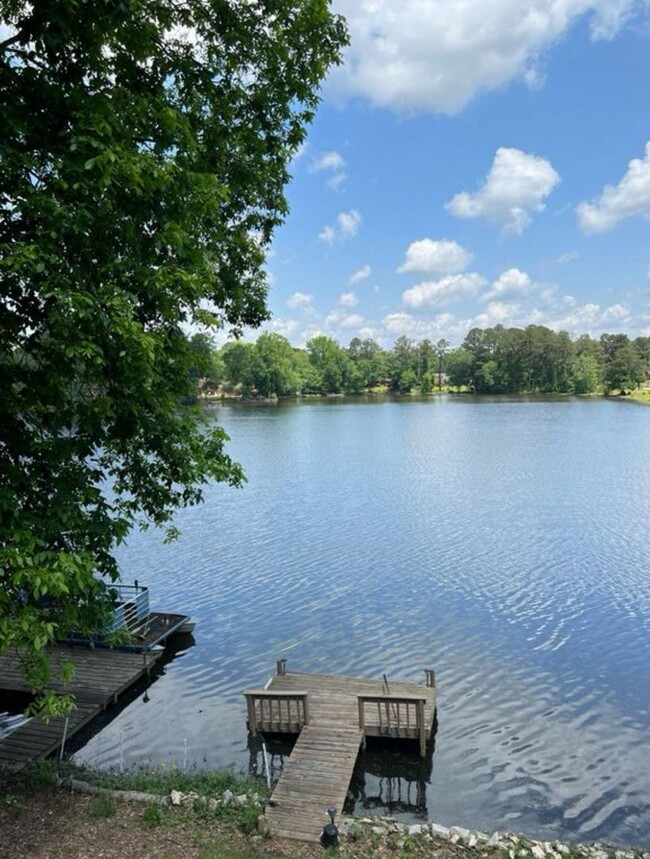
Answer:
[(101, 677), (333, 716)]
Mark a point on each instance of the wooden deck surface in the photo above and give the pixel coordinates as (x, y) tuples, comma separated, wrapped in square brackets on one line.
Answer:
[(101, 676), (320, 767)]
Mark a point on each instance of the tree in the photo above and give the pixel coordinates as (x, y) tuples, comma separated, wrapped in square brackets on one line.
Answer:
[(205, 364), (369, 360), (622, 367), (273, 370), (442, 348), (143, 156), (331, 363), (459, 367)]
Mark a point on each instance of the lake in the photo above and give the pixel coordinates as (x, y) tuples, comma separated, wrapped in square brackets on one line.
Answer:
[(502, 542)]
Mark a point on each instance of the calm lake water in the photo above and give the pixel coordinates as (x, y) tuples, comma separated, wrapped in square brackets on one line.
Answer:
[(503, 543)]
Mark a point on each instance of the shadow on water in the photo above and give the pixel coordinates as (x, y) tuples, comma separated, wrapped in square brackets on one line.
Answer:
[(12, 708), (176, 645), (390, 777)]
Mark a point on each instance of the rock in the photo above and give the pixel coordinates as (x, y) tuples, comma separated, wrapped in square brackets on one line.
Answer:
[(213, 804), (456, 838), (377, 830), (256, 839), (176, 797), (416, 829), (538, 851), (472, 841), (439, 831), (242, 799), (463, 834), (227, 797), (511, 853), (494, 840)]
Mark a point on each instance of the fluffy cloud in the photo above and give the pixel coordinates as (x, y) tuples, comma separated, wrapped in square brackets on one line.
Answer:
[(346, 228), (348, 299), (511, 282), (410, 56), (299, 299), (630, 197), (516, 185), (332, 162), (338, 319), (327, 161), (364, 272), (436, 257), (436, 292)]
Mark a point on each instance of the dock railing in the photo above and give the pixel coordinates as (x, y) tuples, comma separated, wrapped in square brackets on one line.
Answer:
[(271, 711), (131, 606), (394, 716)]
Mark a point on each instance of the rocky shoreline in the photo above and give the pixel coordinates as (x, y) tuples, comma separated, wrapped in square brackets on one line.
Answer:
[(387, 833)]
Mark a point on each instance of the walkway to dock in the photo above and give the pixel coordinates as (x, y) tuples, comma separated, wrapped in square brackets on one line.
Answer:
[(101, 676), (333, 716)]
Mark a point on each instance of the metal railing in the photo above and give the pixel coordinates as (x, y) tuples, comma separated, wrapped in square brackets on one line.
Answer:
[(394, 716), (276, 712), (131, 607)]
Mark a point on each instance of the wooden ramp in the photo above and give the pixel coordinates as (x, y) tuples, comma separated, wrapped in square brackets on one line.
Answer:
[(316, 776), (333, 716), (101, 676)]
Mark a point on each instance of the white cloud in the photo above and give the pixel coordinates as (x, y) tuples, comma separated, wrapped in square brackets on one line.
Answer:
[(516, 186), (362, 273), (617, 202), (509, 283), (332, 162), (436, 292), (352, 321), (411, 55), (346, 228), (299, 299), (337, 319), (567, 257), (436, 257), (285, 327), (348, 299), (327, 161)]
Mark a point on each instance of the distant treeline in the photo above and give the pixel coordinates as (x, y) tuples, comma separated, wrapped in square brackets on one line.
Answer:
[(493, 360)]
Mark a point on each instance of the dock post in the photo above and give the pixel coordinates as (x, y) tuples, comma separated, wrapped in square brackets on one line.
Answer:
[(431, 677), (252, 717), (422, 729), (281, 667)]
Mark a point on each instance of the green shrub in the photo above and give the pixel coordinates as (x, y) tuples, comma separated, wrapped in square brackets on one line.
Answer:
[(101, 805)]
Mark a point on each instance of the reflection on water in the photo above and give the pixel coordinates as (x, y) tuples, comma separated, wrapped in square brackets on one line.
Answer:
[(12, 706), (502, 543), (389, 777)]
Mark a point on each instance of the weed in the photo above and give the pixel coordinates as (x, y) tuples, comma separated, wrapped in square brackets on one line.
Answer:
[(14, 804), (101, 805), (154, 815)]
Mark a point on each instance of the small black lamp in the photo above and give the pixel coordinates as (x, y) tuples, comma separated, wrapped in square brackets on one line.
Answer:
[(330, 834)]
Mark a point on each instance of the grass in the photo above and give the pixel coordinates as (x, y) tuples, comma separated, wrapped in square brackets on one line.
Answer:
[(163, 779), (101, 805)]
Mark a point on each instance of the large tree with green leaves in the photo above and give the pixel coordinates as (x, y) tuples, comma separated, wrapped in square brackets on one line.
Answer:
[(144, 151)]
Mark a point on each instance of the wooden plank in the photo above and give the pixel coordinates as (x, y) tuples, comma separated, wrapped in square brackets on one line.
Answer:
[(341, 711), (100, 676)]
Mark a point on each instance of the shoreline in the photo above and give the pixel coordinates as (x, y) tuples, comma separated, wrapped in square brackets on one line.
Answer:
[(206, 810)]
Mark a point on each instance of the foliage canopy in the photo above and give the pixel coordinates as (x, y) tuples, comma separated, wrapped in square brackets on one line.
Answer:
[(144, 153)]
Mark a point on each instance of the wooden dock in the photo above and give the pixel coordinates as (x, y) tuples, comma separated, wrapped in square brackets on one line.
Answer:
[(333, 717), (101, 677)]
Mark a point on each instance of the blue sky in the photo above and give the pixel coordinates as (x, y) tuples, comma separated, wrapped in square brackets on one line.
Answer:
[(473, 162)]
